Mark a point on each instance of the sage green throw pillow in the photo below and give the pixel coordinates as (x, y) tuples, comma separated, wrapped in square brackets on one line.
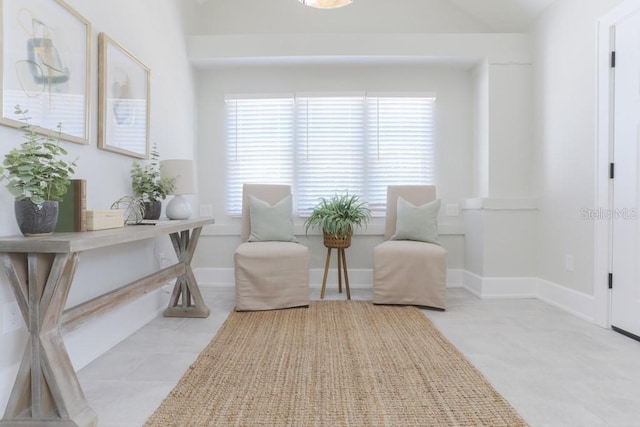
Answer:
[(271, 223), (417, 222)]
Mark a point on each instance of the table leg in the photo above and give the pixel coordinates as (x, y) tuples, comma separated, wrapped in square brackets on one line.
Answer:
[(46, 391), (186, 299)]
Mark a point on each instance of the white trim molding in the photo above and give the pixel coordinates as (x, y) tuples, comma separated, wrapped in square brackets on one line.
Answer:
[(455, 278), (573, 302), (500, 287), (374, 228), (577, 303), (515, 204), (206, 51), (604, 156), (359, 278)]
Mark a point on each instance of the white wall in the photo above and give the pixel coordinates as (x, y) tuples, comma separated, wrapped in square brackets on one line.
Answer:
[(150, 30), (437, 35), (453, 89), (503, 146), (481, 130), (564, 73), (509, 124)]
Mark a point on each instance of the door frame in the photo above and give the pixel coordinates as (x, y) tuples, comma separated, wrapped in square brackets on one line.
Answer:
[(604, 156)]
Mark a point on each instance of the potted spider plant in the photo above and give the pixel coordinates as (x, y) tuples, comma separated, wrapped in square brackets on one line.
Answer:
[(149, 186), (37, 176), (338, 217)]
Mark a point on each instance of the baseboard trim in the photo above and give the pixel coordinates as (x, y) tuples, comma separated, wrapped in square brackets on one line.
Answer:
[(358, 277), (500, 287), (566, 299), (472, 283), (455, 278), (103, 332), (214, 276), (577, 303)]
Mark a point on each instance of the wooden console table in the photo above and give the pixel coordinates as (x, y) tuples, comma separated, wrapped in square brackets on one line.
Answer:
[(40, 270)]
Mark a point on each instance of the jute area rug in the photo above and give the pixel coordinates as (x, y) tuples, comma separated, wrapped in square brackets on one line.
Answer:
[(336, 363)]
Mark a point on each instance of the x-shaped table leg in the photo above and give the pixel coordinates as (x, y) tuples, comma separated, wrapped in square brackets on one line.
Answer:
[(46, 390), (186, 299)]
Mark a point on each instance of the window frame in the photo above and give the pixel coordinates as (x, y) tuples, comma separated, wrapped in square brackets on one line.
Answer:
[(429, 132)]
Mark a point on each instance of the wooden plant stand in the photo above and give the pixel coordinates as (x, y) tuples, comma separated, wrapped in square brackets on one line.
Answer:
[(339, 243)]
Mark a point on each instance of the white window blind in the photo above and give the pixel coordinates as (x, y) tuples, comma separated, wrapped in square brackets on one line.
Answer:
[(330, 149), (400, 145), (325, 145), (259, 145)]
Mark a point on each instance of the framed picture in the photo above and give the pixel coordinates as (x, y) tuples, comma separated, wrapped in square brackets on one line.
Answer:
[(46, 61), (123, 100)]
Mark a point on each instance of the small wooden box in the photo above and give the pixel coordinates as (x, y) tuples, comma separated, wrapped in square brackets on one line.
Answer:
[(101, 220)]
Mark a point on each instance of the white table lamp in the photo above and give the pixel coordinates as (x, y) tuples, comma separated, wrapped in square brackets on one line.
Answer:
[(182, 172)]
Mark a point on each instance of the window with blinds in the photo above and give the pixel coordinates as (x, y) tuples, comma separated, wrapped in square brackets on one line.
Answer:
[(325, 145)]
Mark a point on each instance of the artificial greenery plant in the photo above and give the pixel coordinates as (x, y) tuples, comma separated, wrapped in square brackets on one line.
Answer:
[(35, 171), (147, 183), (339, 216)]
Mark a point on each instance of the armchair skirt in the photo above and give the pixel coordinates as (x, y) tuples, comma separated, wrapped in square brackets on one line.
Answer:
[(267, 282), (409, 273)]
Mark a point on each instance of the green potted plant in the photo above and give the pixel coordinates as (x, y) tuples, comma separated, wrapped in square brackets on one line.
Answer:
[(149, 186), (338, 217), (38, 178)]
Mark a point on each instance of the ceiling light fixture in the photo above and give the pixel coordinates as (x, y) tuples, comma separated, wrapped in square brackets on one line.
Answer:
[(325, 4)]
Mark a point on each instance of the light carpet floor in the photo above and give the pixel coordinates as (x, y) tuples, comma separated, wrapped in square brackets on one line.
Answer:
[(336, 363)]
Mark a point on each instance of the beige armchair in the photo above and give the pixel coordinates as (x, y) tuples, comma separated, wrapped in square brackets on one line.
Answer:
[(409, 272), (271, 268)]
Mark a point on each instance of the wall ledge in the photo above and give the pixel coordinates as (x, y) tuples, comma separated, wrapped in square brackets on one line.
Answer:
[(375, 228), (495, 203)]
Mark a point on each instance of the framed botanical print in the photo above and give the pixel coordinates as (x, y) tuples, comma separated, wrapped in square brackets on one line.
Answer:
[(123, 100), (46, 62)]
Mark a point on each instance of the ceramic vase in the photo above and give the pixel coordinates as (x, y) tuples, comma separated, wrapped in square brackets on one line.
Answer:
[(152, 210), (36, 220)]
